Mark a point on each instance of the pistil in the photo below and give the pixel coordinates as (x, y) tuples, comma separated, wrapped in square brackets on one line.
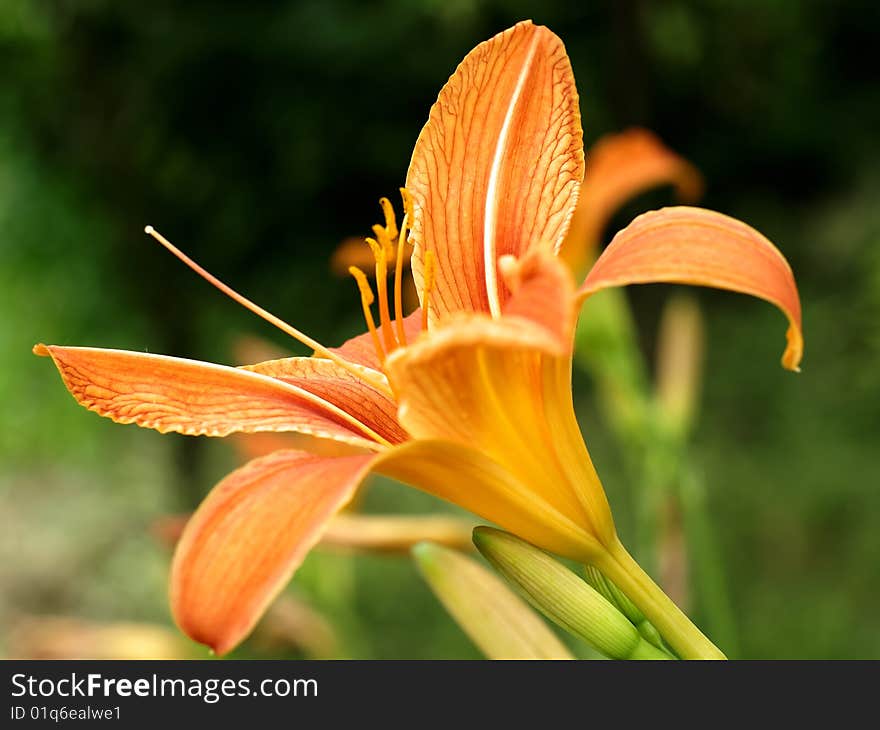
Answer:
[(362, 373)]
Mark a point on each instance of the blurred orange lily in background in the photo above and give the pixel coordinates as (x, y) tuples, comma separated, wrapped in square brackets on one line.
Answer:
[(469, 397)]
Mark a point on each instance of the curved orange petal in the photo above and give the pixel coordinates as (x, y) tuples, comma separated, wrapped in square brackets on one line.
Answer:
[(684, 245), (361, 351), (497, 167), (250, 534), (334, 384), (197, 398), (619, 167)]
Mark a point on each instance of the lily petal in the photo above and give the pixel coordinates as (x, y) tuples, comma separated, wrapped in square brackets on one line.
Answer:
[(497, 168), (469, 478), (684, 245), (503, 387), (248, 537), (334, 384), (361, 351), (619, 167), (541, 290), (196, 398)]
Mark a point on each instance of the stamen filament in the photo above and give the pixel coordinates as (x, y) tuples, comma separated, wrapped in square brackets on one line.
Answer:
[(360, 372), (380, 254), (366, 301), (398, 281), (428, 286), (381, 236), (407, 204)]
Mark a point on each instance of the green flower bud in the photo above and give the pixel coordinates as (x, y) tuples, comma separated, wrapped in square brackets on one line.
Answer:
[(563, 597)]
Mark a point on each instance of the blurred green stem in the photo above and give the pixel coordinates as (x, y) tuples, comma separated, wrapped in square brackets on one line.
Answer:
[(706, 565), (655, 450), (675, 627)]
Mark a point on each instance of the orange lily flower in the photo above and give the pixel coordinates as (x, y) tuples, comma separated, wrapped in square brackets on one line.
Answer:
[(469, 397)]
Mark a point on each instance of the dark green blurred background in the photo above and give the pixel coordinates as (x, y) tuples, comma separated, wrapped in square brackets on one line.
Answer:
[(258, 135)]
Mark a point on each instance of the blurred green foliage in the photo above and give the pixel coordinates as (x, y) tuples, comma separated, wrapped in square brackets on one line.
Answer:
[(259, 135)]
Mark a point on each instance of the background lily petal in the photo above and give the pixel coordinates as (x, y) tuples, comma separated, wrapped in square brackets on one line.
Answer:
[(248, 537), (172, 394), (497, 168), (619, 167), (684, 245)]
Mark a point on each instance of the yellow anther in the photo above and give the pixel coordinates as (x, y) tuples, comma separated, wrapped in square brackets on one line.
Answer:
[(366, 290), (390, 219), (367, 299), (381, 237), (398, 281), (407, 204), (377, 249), (427, 287)]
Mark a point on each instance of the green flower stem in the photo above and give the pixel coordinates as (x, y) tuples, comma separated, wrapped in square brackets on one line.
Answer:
[(677, 629), (645, 650)]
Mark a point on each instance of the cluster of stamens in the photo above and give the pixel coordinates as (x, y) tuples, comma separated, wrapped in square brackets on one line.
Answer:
[(388, 246)]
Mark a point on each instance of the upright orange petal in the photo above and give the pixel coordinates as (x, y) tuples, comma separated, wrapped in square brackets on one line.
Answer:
[(619, 167), (248, 537), (334, 384), (497, 167), (684, 245), (196, 398)]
